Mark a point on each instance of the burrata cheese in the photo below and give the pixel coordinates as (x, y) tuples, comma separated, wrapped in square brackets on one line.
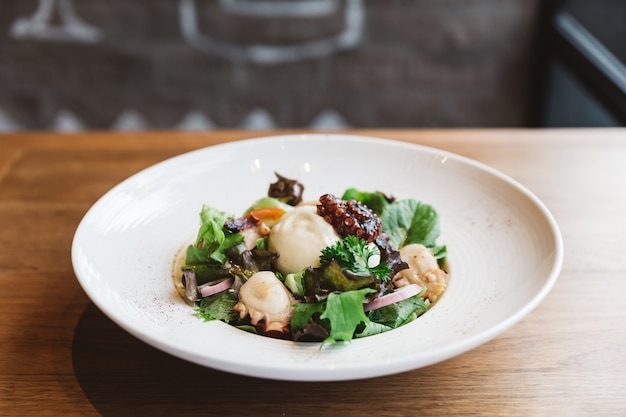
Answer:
[(299, 237)]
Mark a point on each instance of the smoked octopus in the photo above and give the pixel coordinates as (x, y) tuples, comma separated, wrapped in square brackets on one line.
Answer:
[(423, 270), (268, 303), (350, 217)]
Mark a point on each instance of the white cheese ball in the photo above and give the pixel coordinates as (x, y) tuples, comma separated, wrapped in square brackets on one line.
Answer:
[(299, 237)]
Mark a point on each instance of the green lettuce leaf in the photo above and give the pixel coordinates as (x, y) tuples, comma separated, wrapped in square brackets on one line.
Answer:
[(205, 272), (400, 313), (376, 201), (409, 221), (213, 238), (345, 313), (440, 253), (303, 313), (219, 307), (295, 283), (371, 329)]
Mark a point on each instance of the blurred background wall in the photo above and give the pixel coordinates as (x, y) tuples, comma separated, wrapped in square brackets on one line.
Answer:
[(74, 65), (118, 64)]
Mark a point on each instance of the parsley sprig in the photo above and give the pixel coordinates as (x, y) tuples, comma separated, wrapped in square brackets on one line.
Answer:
[(356, 255)]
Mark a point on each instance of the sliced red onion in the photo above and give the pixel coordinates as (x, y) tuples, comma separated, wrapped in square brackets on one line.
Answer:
[(398, 295), (216, 286)]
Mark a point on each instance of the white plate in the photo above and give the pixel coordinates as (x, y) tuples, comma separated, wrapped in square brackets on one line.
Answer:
[(504, 250)]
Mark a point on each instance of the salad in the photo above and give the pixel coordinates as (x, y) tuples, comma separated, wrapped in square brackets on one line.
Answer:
[(329, 270)]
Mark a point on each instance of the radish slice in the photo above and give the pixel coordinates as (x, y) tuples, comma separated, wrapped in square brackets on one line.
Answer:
[(216, 286), (398, 295)]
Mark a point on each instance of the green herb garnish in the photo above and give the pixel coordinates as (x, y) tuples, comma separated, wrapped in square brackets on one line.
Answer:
[(358, 256)]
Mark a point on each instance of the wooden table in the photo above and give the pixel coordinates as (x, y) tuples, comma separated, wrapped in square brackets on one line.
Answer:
[(61, 356)]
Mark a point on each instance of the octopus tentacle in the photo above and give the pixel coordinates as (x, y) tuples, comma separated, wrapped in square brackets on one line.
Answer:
[(350, 218)]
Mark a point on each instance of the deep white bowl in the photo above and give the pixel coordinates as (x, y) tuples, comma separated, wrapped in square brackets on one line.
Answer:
[(504, 250)]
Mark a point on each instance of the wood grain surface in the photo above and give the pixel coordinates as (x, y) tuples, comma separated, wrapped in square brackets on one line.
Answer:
[(61, 356)]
